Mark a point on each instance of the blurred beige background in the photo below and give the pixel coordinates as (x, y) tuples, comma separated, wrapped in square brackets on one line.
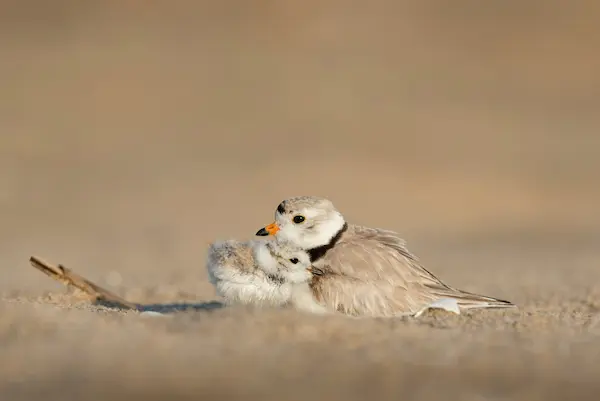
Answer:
[(134, 133)]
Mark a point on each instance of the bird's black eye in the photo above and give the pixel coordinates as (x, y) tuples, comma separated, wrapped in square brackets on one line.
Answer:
[(294, 260), (298, 219)]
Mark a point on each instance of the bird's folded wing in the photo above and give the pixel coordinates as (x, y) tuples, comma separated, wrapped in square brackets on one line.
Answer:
[(359, 298), (377, 256), (370, 254)]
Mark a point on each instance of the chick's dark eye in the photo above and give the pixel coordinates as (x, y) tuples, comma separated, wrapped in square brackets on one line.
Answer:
[(298, 219), (294, 260)]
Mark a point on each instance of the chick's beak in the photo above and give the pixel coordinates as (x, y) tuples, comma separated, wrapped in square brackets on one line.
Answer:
[(271, 229)]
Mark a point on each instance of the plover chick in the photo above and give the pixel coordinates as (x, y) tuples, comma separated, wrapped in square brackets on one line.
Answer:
[(262, 272), (363, 271)]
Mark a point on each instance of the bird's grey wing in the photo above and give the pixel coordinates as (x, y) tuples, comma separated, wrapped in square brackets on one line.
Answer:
[(373, 254), (380, 256), (371, 273), (360, 298)]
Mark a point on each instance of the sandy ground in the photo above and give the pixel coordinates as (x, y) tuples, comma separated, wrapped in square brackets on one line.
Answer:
[(134, 134)]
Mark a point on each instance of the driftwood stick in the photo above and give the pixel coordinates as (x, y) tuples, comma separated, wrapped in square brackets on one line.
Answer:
[(69, 278)]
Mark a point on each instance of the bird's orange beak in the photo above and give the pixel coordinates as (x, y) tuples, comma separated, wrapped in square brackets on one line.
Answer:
[(271, 229)]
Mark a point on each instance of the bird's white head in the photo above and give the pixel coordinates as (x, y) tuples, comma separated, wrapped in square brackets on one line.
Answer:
[(307, 222)]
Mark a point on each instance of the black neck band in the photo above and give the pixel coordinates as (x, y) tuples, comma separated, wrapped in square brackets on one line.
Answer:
[(320, 251)]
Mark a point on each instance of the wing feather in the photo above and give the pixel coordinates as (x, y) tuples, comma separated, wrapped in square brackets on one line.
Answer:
[(370, 271)]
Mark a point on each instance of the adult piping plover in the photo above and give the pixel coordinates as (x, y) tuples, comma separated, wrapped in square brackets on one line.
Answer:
[(262, 272), (364, 271)]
